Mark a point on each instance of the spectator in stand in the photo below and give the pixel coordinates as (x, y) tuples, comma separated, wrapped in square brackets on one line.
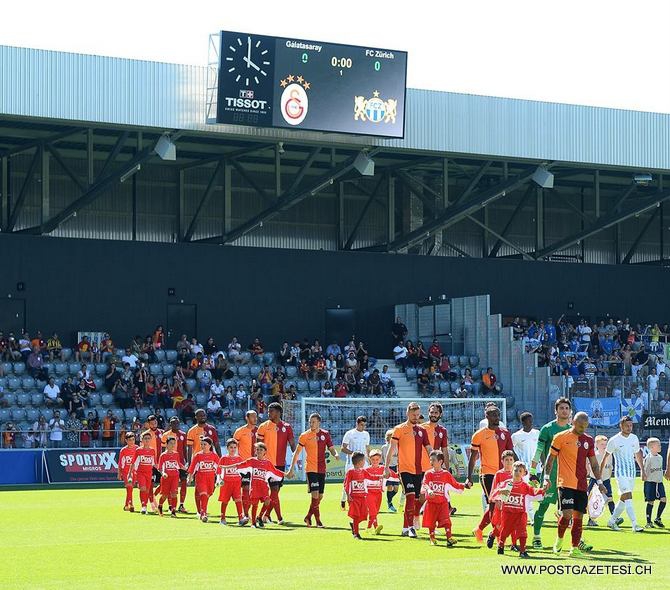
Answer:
[(147, 350), (400, 353), (364, 365), (163, 393), (517, 329), (290, 393), (489, 382), (265, 379), (277, 391), (229, 398), (664, 404), (241, 396), (210, 347), (467, 380), (411, 354), (130, 358), (317, 350), (320, 368), (41, 430), (421, 355), (54, 348), (341, 389), (326, 389), (350, 347), (109, 423), (217, 388), (204, 377), (234, 351), (388, 386), (434, 352), (136, 398), (361, 351), (304, 369), (424, 384), (56, 428), (351, 362), (25, 348), (148, 392), (331, 368), (445, 368), (141, 378), (9, 435), (652, 384), (73, 428), (305, 350), (52, 397), (351, 382), (196, 348), (111, 377), (106, 347), (221, 368), (284, 356), (35, 364), (94, 428), (340, 364), (256, 350), (255, 391), (83, 350), (214, 407), (462, 391), (398, 330), (295, 353), (177, 394), (375, 383), (334, 349)]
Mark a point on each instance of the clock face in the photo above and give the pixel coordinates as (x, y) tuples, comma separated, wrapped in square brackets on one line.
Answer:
[(247, 60)]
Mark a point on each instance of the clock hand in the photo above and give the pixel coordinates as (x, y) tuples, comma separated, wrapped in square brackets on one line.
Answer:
[(251, 64), (248, 60)]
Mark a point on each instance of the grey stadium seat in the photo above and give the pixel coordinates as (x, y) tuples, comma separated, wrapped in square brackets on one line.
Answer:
[(19, 368), (171, 356)]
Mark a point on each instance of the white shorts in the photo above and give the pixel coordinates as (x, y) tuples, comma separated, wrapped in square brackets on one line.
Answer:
[(625, 484)]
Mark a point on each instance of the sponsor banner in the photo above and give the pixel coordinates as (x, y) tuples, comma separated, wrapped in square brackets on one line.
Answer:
[(656, 421), (81, 465), (602, 411)]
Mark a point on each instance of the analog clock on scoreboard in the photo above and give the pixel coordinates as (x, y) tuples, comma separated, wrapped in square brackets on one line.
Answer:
[(297, 84)]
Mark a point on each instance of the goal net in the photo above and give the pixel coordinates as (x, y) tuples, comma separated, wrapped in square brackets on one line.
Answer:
[(461, 418)]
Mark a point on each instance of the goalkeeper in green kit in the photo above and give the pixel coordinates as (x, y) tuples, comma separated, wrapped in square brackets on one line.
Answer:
[(563, 411)]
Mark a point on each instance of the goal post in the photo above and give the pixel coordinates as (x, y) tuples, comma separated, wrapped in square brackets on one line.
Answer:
[(461, 417)]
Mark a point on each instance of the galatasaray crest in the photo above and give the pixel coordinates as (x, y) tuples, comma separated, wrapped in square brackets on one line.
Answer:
[(375, 109)]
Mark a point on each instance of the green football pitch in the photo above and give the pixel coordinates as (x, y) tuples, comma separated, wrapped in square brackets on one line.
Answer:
[(81, 538)]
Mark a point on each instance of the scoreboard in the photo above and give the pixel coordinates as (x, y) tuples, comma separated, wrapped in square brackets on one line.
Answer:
[(297, 84)]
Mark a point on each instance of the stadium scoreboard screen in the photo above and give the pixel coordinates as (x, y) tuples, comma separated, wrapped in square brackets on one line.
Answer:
[(297, 84)]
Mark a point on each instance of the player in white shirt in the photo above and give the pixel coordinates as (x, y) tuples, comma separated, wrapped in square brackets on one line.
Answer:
[(355, 440), (525, 445), (625, 448)]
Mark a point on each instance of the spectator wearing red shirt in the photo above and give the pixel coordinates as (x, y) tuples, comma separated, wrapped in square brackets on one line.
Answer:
[(435, 352), (341, 389), (489, 381), (83, 350), (256, 349)]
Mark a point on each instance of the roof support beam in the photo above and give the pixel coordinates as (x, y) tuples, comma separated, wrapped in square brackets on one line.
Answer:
[(606, 221), (371, 198), (16, 209), (249, 180), (496, 247), (417, 189), (48, 139), (303, 170), (229, 155), (474, 181), (631, 189), (211, 185), (463, 253), (288, 200), (112, 155), (454, 213), (501, 238), (56, 155), (637, 241)]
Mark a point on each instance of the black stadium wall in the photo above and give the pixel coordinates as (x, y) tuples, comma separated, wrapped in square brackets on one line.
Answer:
[(122, 287)]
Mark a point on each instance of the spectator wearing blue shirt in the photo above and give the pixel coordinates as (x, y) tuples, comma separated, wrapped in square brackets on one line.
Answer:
[(573, 368), (607, 345), (573, 345), (550, 331), (333, 349)]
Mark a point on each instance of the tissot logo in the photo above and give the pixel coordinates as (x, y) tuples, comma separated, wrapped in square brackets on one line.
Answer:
[(246, 103)]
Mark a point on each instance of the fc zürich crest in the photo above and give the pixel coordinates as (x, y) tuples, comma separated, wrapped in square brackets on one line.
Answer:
[(375, 109)]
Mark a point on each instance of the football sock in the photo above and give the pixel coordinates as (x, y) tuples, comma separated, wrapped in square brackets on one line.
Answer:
[(650, 509), (389, 496), (144, 497), (311, 508), (563, 524), (182, 492), (317, 510), (539, 518), (224, 506), (246, 501), (661, 508), (631, 512), (274, 497), (197, 503), (409, 510), (254, 511), (203, 502), (129, 496), (354, 527), (611, 506), (240, 511), (620, 506), (486, 519), (522, 544), (172, 502), (576, 529)]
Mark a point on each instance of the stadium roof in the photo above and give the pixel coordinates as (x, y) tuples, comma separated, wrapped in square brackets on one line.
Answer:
[(61, 87)]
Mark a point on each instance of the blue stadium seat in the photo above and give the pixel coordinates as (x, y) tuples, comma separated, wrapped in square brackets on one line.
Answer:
[(23, 399), (302, 385), (243, 371), (191, 385), (94, 399), (99, 382), (170, 412), (291, 371), (510, 401), (3, 382), (155, 369), (229, 383), (463, 361), (476, 389), (27, 383), (118, 413), (410, 374), (255, 370), (19, 368), (168, 370), (130, 414), (101, 369), (5, 416), (315, 386), (499, 387), (160, 355), (73, 368), (144, 413), (476, 374), (10, 398), (245, 356), (107, 399), (48, 413), (60, 369), (14, 383), (221, 430), (453, 360), (269, 358), (201, 399), (474, 361), (48, 367), (18, 414), (37, 399), (7, 368), (238, 415), (171, 356), (66, 354), (32, 415)]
